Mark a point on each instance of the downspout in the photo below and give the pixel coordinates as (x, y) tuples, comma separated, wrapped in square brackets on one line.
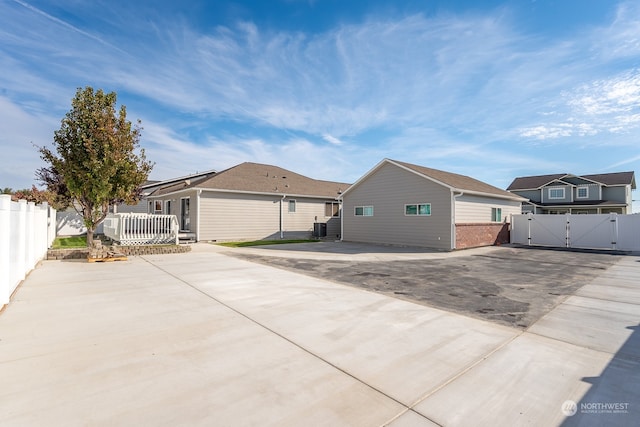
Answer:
[(198, 214), (340, 204), (281, 216), (453, 218)]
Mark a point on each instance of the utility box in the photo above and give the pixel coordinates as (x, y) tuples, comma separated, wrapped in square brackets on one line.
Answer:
[(319, 229)]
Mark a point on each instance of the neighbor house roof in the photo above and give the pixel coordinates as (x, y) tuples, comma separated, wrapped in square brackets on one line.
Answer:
[(616, 178), (533, 182), (454, 181), (260, 178), (538, 181)]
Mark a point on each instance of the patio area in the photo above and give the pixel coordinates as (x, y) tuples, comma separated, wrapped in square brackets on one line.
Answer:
[(203, 338)]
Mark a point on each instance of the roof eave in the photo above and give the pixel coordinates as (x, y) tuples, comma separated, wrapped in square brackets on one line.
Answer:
[(262, 193), (515, 198)]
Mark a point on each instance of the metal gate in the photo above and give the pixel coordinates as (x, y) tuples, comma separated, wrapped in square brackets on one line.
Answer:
[(608, 231)]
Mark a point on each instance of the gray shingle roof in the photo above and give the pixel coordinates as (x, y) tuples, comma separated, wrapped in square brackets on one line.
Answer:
[(534, 182), (616, 178), (458, 182), (260, 178)]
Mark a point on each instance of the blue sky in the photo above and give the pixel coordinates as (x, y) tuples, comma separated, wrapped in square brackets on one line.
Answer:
[(328, 88)]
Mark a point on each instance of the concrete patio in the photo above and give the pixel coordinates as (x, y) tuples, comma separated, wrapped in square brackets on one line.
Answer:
[(207, 339)]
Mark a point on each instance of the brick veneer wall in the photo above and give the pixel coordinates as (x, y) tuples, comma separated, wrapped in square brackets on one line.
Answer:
[(475, 235), (54, 254)]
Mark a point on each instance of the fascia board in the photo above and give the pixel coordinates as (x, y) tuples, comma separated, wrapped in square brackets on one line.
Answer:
[(218, 190)]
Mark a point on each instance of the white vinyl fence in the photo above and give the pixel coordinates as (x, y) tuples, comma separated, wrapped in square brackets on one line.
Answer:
[(606, 231), (26, 232), (141, 229)]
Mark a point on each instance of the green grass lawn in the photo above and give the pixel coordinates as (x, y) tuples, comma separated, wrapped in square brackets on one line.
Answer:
[(69, 242), (264, 242)]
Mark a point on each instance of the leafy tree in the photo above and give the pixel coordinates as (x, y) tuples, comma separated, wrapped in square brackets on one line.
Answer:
[(96, 165), (7, 190), (37, 196)]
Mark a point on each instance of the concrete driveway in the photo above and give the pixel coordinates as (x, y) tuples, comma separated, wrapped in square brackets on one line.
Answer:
[(207, 339), (508, 285)]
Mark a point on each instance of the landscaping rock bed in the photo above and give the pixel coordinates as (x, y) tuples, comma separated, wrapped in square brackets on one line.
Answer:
[(83, 253)]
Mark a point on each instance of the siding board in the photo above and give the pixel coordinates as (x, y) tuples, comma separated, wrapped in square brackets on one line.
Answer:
[(388, 190), (477, 210)]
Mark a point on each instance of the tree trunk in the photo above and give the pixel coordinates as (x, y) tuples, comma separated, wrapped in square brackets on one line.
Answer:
[(90, 238)]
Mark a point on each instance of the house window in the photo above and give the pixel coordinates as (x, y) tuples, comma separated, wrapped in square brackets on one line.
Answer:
[(332, 209), (582, 192), (496, 214), (150, 207), (364, 211), (556, 193), (422, 209), (292, 206), (167, 207), (157, 206)]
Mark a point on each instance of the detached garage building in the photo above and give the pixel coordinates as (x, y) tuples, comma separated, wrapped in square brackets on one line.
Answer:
[(404, 204)]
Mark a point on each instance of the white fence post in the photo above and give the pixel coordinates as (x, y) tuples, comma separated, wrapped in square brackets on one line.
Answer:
[(5, 247)]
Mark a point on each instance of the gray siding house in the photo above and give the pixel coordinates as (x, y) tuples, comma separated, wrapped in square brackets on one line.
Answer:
[(252, 201), (584, 194), (404, 204)]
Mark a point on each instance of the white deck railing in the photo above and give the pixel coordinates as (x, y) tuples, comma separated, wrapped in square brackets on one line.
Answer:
[(141, 229)]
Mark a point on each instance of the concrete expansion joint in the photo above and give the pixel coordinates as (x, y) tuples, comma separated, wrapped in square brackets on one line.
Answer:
[(389, 422), (267, 328), (467, 369), (588, 347)]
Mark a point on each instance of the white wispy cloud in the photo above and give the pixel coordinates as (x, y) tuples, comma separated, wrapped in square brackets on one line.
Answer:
[(437, 89)]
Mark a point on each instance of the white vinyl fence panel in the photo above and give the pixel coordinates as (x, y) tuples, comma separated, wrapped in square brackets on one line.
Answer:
[(629, 232), (607, 231), (26, 232), (141, 229)]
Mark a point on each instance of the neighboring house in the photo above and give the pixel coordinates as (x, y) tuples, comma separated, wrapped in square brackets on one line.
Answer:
[(404, 204), (576, 194), (252, 201)]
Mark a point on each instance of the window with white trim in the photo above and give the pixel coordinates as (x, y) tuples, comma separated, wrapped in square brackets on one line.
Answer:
[(292, 206), (419, 209), (556, 193), (363, 211), (157, 206), (582, 192), (496, 214)]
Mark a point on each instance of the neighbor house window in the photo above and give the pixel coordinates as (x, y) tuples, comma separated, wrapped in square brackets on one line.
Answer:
[(167, 207), (364, 211), (292, 206), (496, 214), (556, 193), (422, 209), (331, 209), (157, 206), (583, 192)]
